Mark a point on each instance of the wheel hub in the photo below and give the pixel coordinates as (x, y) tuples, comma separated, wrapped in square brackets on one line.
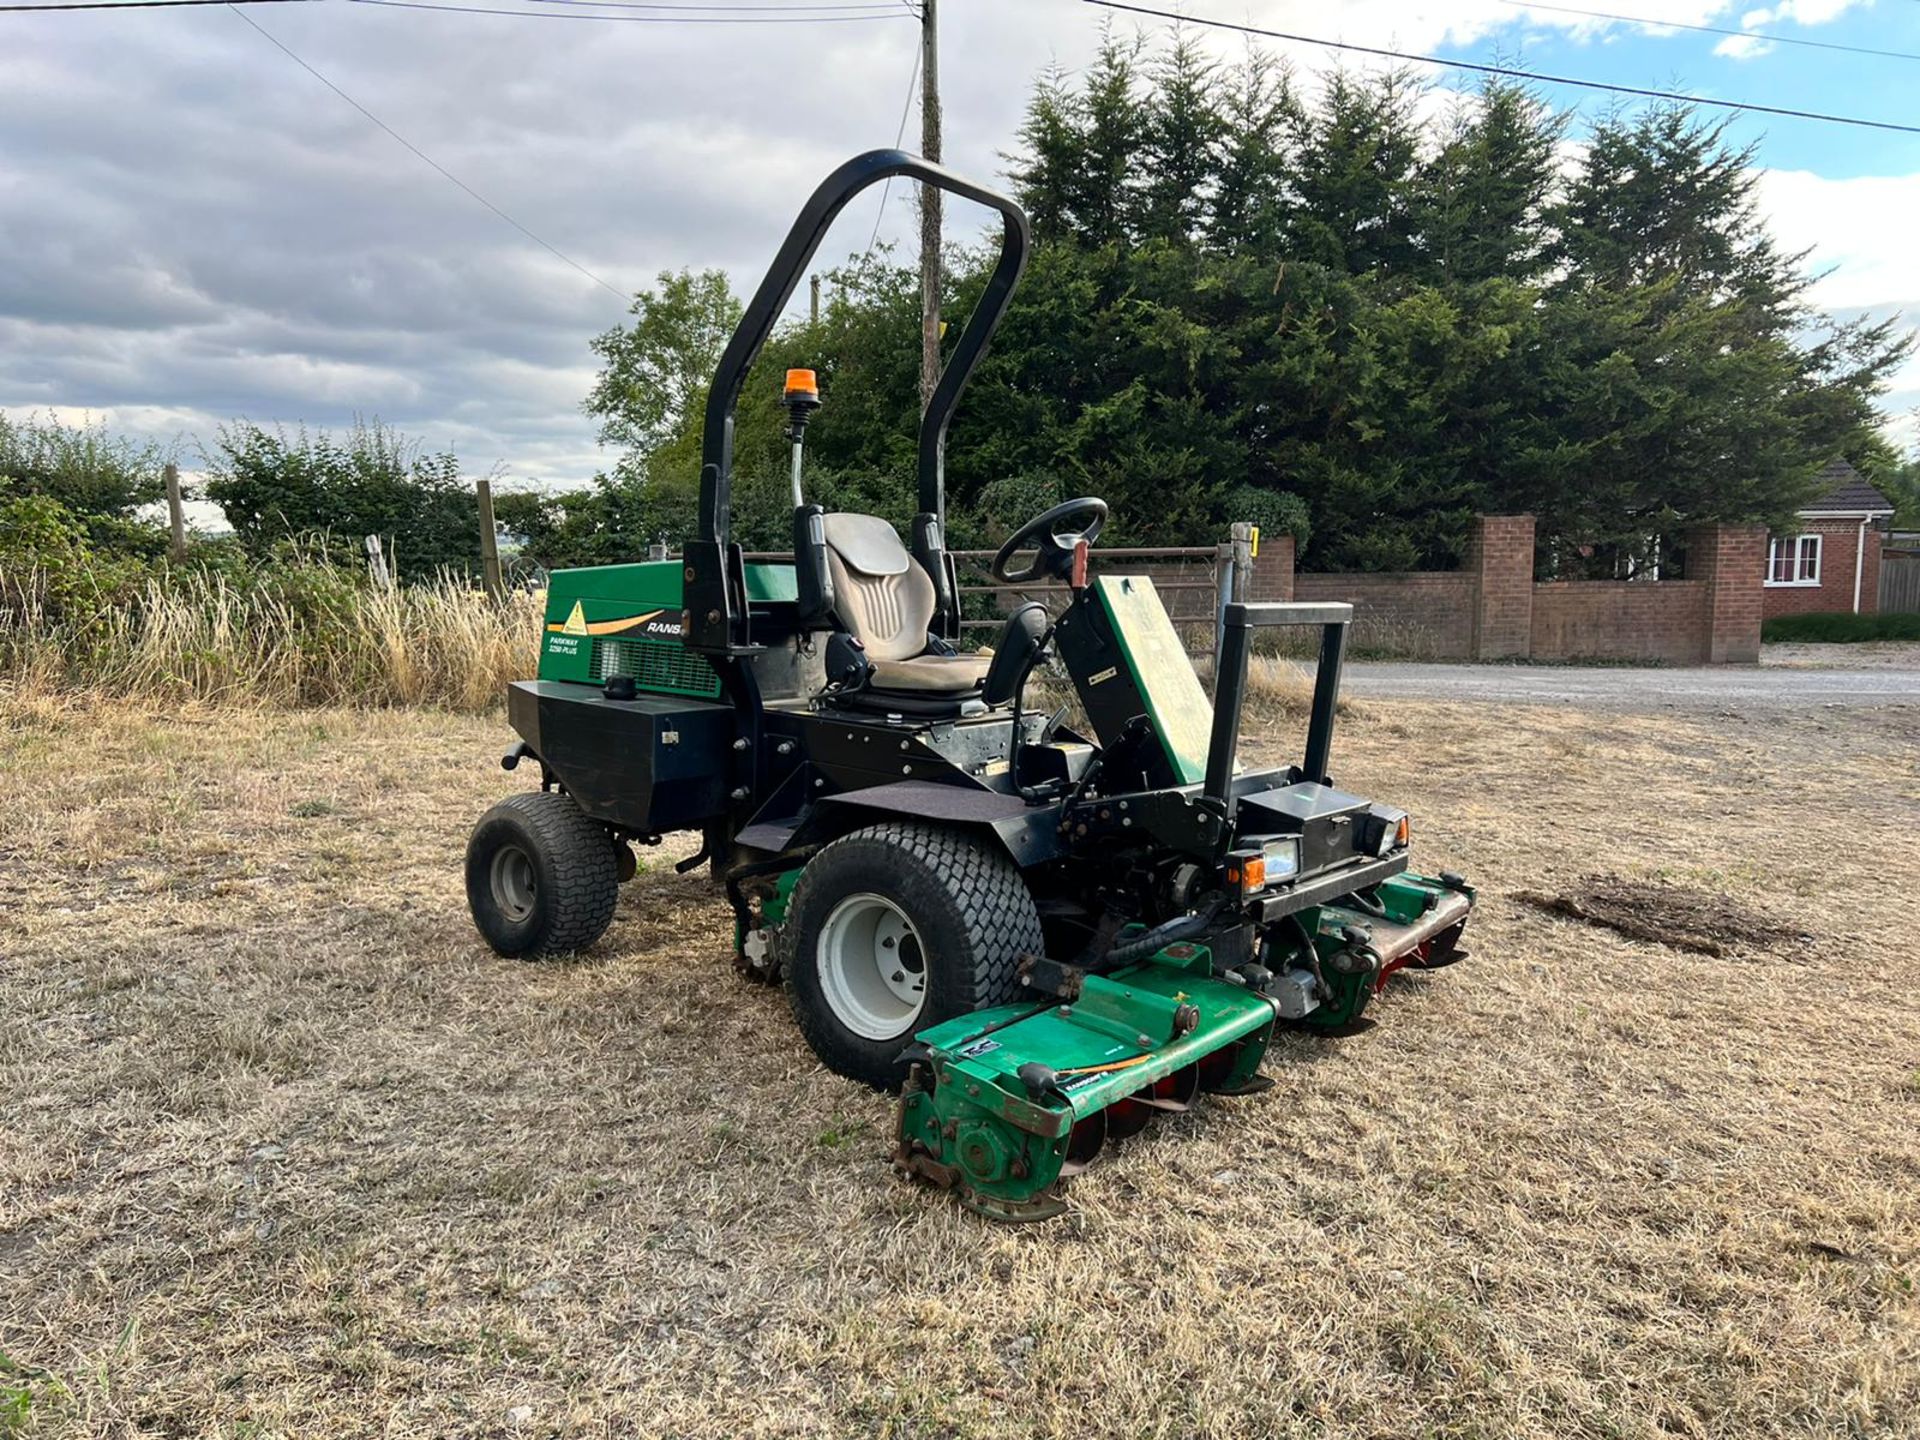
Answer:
[(511, 877), (873, 969)]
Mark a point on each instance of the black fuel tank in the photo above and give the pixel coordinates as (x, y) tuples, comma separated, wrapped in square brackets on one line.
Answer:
[(653, 763)]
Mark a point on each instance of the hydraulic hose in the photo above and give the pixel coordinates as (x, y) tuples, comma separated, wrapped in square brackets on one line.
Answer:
[(1166, 933)]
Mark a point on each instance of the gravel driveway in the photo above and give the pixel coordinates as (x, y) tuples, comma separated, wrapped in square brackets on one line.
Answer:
[(1608, 687)]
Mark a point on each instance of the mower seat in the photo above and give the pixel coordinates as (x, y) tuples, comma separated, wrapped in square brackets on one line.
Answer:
[(886, 601)]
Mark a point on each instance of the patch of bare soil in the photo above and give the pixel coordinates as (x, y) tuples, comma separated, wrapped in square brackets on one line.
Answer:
[(1677, 916)]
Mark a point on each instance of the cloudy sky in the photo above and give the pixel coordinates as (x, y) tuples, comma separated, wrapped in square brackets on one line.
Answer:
[(194, 228)]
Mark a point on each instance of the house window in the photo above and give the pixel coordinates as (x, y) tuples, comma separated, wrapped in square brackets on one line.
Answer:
[(1793, 560)]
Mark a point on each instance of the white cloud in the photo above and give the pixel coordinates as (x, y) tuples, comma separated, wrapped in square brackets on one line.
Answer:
[(1860, 228), (1859, 231), (1814, 12)]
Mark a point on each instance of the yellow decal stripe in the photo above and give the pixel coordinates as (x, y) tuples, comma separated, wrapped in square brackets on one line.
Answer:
[(607, 627)]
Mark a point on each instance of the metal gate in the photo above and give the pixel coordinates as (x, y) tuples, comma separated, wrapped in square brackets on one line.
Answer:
[(1194, 582)]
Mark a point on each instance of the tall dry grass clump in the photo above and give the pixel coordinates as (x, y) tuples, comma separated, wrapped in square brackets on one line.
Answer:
[(306, 634)]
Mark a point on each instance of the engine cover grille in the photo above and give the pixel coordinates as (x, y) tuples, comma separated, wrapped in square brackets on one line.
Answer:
[(655, 665)]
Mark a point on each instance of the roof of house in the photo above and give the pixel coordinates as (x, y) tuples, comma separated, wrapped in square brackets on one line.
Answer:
[(1845, 491)]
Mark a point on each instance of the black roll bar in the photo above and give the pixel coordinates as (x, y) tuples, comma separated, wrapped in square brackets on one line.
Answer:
[(1230, 688), (770, 301)]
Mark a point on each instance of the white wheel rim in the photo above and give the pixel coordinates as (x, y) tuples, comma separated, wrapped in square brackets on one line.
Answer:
[(873, 968)]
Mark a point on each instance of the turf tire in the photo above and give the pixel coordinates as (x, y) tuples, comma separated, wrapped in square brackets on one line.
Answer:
[(968, 904), (575, 875)]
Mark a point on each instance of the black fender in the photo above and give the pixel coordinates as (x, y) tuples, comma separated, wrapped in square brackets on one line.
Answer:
[(1029, 834)]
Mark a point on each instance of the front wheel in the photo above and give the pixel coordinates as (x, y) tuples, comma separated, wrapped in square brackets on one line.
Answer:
[(542, 878), (896, 928)]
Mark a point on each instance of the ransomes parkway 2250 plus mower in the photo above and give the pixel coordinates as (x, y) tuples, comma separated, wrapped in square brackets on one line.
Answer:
[(1041, 937)]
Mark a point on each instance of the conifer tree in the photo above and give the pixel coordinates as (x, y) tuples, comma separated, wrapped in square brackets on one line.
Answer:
[(1254, 193), (1180, 162)]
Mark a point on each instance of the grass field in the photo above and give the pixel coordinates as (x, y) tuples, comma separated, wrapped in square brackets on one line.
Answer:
[(286, 1153)]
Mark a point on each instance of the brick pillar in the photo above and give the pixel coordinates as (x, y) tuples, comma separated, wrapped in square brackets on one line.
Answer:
[(1273, 569), (1500, 554), (1731, 560)]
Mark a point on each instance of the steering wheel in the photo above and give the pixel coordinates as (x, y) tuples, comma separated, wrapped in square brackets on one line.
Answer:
[(1054, 548)]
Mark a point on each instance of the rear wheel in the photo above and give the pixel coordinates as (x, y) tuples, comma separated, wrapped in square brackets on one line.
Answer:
[(896, 928), (542, 878)]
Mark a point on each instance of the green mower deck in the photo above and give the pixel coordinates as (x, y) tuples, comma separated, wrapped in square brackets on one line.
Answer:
[(1004, 1104)]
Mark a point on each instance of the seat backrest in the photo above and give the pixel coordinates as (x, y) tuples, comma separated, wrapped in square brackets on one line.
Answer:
[(879, 593), (1017, 653)]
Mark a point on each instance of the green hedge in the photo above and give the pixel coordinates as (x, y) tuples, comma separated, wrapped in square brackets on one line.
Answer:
[(1841, 627)]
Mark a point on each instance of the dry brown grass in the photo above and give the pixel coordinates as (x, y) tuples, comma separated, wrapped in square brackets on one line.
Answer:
[(286, 1152), (327, 640)]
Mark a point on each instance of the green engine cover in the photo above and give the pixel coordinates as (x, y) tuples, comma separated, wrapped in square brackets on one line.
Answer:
[(612, 620)]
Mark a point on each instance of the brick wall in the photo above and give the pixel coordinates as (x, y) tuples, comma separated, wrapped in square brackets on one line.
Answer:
[(1500, 553), (1839, 544), (1273, 570), (1493, 609), (1662, 620), (1427, 614)]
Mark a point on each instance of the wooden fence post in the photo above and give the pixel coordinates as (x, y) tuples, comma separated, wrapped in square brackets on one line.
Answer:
[(176, 518), (1242, 535), (377, 563), (489, 542)]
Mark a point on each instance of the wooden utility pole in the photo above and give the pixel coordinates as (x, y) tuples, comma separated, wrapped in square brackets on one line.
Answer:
[(813, 311), (176, 517), (929, 203), (489, 541)]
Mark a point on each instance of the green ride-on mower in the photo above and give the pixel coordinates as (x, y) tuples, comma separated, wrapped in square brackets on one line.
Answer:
[(1040, 937)]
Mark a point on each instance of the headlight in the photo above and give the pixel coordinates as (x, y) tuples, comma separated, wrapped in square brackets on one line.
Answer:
[(1282, 858), (1276, 862)]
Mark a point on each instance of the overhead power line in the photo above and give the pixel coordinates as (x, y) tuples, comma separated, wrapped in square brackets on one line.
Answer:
[(899, 137), (724, 13), (710, 14), (140, 4), (1768, 36), (1506, 71), (795, 9), (550, 248), (642, 19)]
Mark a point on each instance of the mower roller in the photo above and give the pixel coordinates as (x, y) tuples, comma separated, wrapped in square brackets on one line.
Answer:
[(1041, 938)]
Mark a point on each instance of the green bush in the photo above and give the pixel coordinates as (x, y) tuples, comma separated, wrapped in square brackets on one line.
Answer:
[(99, 479), (328, 493), (1841, 628), (48, 564), (1276, 512)]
